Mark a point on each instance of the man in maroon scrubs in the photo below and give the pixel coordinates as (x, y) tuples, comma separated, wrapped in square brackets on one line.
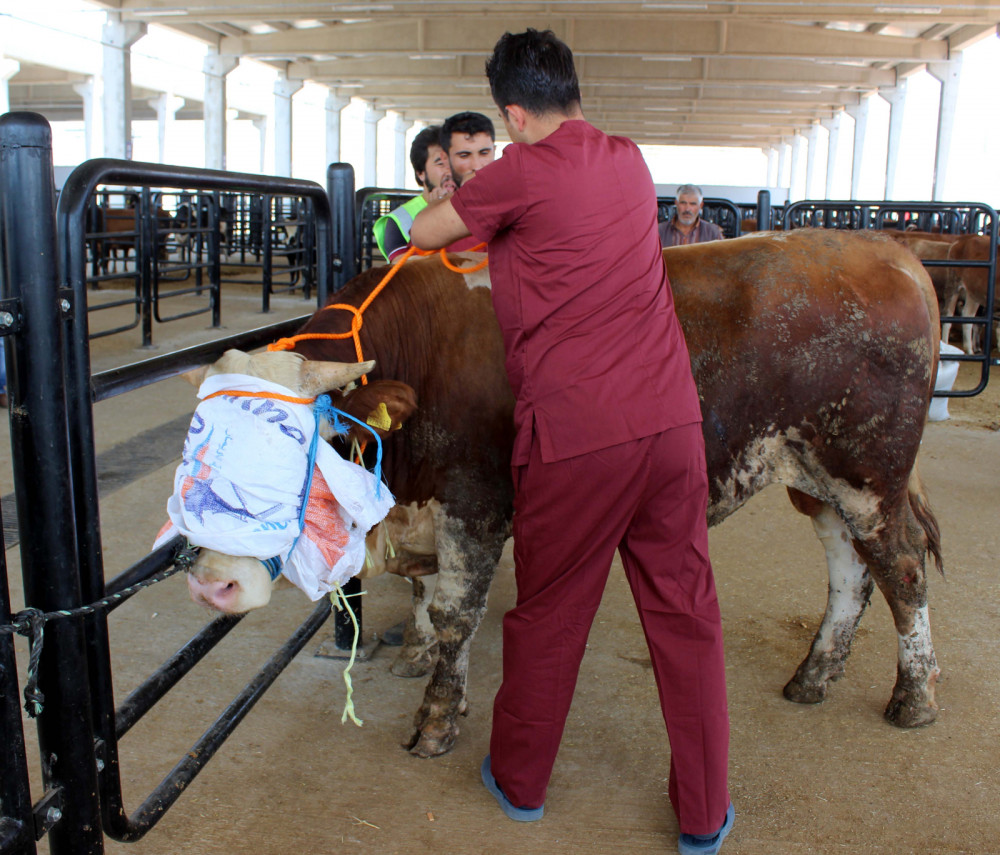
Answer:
[(609, 452)]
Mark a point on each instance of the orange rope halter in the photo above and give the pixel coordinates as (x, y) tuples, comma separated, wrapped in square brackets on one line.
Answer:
[(237, 394), (357, 320)]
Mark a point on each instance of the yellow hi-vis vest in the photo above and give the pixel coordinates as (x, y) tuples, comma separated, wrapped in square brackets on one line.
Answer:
[(402, 216)]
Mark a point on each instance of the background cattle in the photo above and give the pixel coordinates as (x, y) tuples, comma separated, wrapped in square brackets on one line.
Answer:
[(118, 230), (973, 285), (814, 353), (959, 289)]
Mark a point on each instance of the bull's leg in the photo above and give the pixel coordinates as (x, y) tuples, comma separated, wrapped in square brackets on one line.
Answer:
[(948, 309), (970, 309), (895, 556), (419, 641), (849, 592), (466, 564)]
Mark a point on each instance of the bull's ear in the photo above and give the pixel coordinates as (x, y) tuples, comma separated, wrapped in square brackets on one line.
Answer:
[(316, 377), (383, 405), (196, 376)]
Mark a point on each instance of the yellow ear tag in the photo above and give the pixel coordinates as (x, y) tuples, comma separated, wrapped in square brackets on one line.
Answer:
[(380, 418)]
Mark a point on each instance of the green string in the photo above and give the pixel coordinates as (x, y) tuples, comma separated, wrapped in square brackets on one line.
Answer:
[(339, 600)]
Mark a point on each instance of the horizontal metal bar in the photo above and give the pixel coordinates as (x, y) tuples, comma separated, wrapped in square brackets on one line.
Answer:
[(114, 330), (169, 674), (112, 277), (108, 384), (182, 315), (114, 304), (941, 262), (192, 762)]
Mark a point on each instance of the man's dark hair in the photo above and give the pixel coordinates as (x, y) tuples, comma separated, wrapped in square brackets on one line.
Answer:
[(431, 135), (535, 71), (468, 124)]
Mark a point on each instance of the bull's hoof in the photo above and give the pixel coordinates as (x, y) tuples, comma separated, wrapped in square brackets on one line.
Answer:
[(802, 693), (432, 741), (903, 714), (419, 666)]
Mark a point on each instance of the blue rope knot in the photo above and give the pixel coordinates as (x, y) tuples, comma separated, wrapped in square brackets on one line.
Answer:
[(324, 409)]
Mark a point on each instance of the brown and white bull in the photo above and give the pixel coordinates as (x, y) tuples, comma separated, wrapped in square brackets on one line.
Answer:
[(973, 285), (929, 246), (815, 354)]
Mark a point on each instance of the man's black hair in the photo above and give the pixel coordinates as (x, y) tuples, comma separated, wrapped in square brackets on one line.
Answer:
[(535, 71), (431, 135), (468, 124)]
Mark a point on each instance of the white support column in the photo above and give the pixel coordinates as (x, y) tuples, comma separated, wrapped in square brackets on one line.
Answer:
[(949, 73), (8, 68), (372, 117), (215, 68), (782, 160), (261, 125), (284, 89), (772, 166), (834, 126), (812, 138), (896, 96), (402, 155), (166, 107), (796, 183), (118, 38), (92, 128), (335, 103), (860, 115)]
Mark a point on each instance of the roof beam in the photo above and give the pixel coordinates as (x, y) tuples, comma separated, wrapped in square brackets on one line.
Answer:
[(785, 74), (968, 36), (908, 11), (682, 38)]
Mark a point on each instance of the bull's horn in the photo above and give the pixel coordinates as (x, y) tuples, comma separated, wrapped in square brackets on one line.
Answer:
[(316, 377)]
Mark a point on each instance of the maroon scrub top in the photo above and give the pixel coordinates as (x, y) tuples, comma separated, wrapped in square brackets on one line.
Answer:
[(594, 351)]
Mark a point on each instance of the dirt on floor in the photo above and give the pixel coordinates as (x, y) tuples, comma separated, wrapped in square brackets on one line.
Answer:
[(830, 778)]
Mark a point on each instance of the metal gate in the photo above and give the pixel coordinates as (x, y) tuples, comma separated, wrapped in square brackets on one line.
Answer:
[(951, 217), (43, 280)]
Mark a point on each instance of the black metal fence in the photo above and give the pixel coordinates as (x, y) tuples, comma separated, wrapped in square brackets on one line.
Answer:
[(161, 245), (375, 202), (372, 203), (52, 393), (949, 218)]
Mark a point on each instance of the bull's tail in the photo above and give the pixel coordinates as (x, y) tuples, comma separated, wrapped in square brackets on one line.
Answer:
[(925, 516)]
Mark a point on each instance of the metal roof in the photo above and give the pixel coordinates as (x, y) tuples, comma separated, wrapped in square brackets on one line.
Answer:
[(683, 72)]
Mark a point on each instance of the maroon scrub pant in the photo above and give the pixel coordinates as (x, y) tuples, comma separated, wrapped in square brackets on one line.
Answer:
[(646, 498)]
